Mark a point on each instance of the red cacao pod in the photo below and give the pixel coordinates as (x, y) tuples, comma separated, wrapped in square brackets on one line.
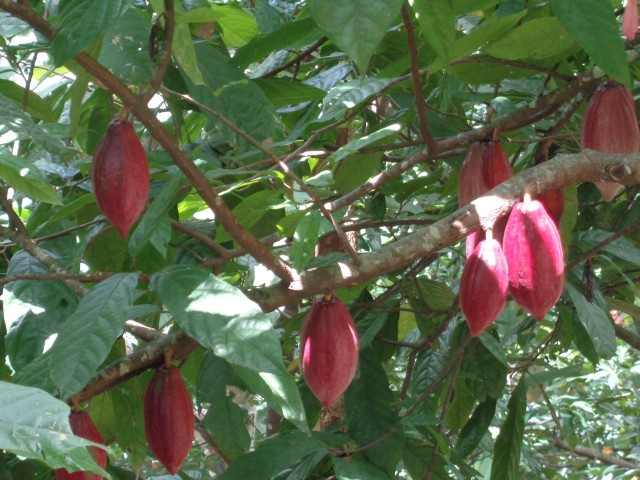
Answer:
[(329, 349), (610, 125), (168, 417), (533, 249), (120, 176), (474, 239), (553, 202), (82, 426), (484, 285), (485, 167)]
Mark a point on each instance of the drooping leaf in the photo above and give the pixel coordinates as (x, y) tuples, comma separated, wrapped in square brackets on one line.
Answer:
[(476, 428), (438, 22), (81, 23), (25, 177), (355, 26), (86, 337), (594, 26), (36, 105), (508, 445), (305, 239)]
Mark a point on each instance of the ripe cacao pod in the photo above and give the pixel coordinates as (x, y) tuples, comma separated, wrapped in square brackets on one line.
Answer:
[(533, 249), (328, 349), (168, 417), (485, 167), (630, 20), (120, 176), (553, 202), (610, 125), (484, 285), (82, 426)]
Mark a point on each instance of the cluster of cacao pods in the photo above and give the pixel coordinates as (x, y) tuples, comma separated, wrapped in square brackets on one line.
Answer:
[(120, 176), (328, 349), (82, 426), (523, 256), (168, 417), (610, 125)]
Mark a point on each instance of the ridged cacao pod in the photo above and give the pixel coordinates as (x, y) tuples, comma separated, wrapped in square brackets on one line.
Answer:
[(485, 167), (553, 202), (82, 426), (484, 285), (474, 239), (168, 417), (610, 125), (533, 249), (328, 349), (120, 176)]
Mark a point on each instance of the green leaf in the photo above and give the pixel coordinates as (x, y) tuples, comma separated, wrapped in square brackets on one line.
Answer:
[(226, 423), (33, 424), (593, 24), (185, 53), (485, 375), (14, 119), (386, 134), (25, 177), (356, 170), (36, 105), (506, 451), (150, 227), (81, 23), (301, 31), (305, 240), (476, 428), (622, 248), (238, 27), (272, 457), (86, 337), (282, 92), (355, 26), (596, 321), (125, 48), (537, 39), (438, 22), (348, 95), (357, 468), (371, 413)]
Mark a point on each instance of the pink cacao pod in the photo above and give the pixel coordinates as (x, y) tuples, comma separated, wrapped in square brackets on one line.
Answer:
[(610, 125), (82, 426), (328, 349), (120, 176), (484, 285), (168, 418), (630, 20), (533, 249), (553, 202), (485, 167)]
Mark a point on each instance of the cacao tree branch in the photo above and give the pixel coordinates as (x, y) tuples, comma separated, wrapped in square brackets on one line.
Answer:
[(626, 336), (139, 108), (594, 454), (425, 133), (164, 57), (563, 170)]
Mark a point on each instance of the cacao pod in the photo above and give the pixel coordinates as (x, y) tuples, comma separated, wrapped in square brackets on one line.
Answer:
[(484, 285), (168, 417), (120, 176), (82, 426), (485, 167), (610, 125), (630, 20), (328, 349), (533, 249), (553, 202)]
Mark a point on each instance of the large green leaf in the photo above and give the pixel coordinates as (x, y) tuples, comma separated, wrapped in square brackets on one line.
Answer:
[(36, 105), (355, 26), (12, 118), (238, 27), (596, 321), (25, 177), (305, 239), (438, 22), (348, 95), (34, 424), (273, 456), (593, 24), (506, 451), (476, 428), (371, 415), (357, 468), (86, 337), (81, 23), (282, 92)]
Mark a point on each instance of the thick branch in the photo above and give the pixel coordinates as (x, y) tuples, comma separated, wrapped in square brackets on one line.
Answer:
[(626, 336), (557, 173)]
